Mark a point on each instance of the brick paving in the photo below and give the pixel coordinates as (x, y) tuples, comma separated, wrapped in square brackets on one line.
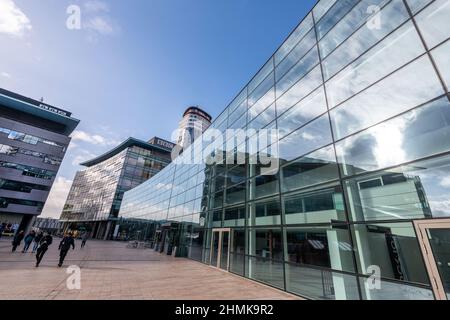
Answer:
[(109, 270)]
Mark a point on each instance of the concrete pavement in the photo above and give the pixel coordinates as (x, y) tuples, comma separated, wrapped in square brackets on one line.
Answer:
[(109, 270)]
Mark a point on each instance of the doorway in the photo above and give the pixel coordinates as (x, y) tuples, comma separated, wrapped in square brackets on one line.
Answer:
[(220, 249), (434, 240)]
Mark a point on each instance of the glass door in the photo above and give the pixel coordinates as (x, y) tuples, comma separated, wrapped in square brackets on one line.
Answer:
[(214, 256), (434, 239), (225, 250), (220, 248)]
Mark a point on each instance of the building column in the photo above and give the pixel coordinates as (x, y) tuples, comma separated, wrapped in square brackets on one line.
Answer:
[(108, 229), (25, 224)]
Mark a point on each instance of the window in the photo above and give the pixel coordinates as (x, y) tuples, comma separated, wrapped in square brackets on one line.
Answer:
[(267, 212), (315, 168), (263, 186), (5, 202), (314, 206), (265, 243), (312, 136), (392, 53), (21, 186), (14, 135), (335, 14), (393, 247), (416, 191), (433, 22), (397, 93), (234, 216), (393, 15), (418, 133), (29, 171), (311, 107), (235, 194), (327, 247)]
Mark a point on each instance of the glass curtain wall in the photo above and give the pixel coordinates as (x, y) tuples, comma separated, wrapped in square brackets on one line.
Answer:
[(359, 96)]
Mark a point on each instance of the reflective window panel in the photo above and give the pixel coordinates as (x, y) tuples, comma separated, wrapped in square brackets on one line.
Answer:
[(416, 134), (391, 247), (319, 284), (419, 190), (324, 246), (317, 206)]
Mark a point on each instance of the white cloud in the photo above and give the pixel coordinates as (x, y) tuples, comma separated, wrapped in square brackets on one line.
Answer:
[(308, 136), (72, 146), (97, 20), (101, 25), (83, 156), (13, 21), (57, 198), (440, 208), (6, 74), (445, 182), (94, 139), (96, 6)]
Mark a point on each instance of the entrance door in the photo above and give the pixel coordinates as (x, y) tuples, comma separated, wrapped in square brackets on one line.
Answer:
[(220, 249), (434, 239)]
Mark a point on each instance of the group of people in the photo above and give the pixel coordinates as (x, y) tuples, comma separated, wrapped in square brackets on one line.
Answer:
[(42, 241)]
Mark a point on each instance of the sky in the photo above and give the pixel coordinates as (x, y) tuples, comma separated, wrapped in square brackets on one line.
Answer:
[(130, 68)]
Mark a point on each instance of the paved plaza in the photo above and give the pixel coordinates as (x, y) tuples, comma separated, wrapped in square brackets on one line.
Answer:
[(110, 270)]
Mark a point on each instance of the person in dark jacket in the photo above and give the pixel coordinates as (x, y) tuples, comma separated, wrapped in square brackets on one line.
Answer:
[(28, 240), (38, 239), (17, 240), (45, 242), (64, 247), (84, 239)]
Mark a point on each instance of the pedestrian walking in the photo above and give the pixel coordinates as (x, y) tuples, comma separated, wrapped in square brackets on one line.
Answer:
[(84, 239), (28, 240), (17, 240), (38, 239), (45, 242), (64, 247)]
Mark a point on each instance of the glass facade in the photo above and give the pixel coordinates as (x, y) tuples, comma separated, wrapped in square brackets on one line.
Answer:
[(33, 143), (96, 193), (358, 95)]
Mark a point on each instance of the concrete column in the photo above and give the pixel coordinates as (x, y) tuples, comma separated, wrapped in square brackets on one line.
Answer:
[(108, 229)]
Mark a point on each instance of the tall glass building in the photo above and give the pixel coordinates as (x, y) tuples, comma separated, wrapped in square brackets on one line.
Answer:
[(357, 206), (34, 137), (94, 199)]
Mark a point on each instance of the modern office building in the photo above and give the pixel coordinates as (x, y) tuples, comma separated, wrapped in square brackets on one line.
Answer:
[(34, 137), (195, 121), (94, 199), (358, 206), (50, 225)]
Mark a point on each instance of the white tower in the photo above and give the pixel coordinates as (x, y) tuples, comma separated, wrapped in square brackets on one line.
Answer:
[(195, 121)]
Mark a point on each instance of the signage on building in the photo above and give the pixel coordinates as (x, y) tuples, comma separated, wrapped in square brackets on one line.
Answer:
[(54, 110), (38, 104), (397, 268), (162, 143)]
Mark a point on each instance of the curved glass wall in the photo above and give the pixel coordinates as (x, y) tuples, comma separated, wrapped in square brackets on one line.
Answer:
[(357, 100)]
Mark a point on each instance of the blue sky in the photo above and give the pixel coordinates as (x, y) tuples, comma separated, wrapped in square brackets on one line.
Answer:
[(134, 66)]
